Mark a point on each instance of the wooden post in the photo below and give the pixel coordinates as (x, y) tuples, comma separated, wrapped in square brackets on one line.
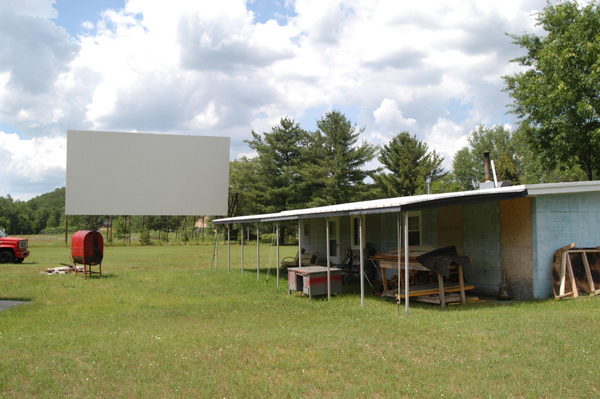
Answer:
[(257, 253), (66, 229), (216, 247), (299, 242), (406, 265), (242, 249), (328, 260), (362, 261), (441, 289), (278, 255), (228, 248)]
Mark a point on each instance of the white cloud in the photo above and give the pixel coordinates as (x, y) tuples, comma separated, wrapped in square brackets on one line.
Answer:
[(207, 67), (447, 137), (28, 164), (388, 115)]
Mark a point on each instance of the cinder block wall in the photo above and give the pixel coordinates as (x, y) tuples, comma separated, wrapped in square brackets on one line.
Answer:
[(450, 227), (559, 220), (482, 244)]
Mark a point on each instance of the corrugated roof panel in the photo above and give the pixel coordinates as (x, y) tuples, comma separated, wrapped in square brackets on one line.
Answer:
[(419, 201)]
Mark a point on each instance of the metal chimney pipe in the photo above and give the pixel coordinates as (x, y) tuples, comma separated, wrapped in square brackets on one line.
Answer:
[(486, 165)]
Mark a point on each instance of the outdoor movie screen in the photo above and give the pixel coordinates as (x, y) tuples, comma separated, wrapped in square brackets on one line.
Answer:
[(112, 173)]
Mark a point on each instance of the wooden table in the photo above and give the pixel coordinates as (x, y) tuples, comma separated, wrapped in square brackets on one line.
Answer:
[(390, 261), (312, 280)]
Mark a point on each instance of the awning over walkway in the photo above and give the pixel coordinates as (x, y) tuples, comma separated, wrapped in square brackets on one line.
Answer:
[(414, 202), (387, 205)]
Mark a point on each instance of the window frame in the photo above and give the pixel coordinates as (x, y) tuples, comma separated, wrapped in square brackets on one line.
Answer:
[(419, 215)]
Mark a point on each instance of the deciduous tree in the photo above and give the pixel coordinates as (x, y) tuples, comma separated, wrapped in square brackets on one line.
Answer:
[(558, 93), (467, 165)]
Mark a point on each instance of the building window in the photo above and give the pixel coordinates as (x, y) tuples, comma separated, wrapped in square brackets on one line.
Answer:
[(414, 228)]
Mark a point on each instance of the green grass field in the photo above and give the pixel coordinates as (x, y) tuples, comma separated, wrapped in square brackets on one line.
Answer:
[(162, 323)]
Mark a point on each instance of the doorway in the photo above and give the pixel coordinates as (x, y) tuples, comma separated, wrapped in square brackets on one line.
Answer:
[(334, 241)]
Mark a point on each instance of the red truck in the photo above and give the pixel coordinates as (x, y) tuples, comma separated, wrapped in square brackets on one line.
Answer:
[(12, 249)]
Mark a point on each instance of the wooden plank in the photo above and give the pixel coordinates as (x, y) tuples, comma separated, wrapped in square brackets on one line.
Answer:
[(435, 299), (412, 265), (563, 271), (588, 273), (461, 282), (425, 290), (572, 277)]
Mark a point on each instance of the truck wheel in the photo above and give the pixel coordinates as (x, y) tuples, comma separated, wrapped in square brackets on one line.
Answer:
[(6, 257), (19, 260)]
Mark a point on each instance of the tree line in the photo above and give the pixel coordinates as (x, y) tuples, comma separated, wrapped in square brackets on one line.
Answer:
[(556, 98)]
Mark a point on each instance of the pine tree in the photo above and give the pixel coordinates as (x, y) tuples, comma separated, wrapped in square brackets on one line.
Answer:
[(409, 163), (334, 172), (279, 158)]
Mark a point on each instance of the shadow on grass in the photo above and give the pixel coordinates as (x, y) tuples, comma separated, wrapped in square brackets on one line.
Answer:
[(21, 299), (351, 288), (96, 276)]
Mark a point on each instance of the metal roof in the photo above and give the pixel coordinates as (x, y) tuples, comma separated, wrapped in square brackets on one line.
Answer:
[(389, 205)]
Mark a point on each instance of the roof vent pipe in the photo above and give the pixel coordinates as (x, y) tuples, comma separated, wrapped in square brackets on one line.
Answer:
[(486, 165), (495, 177)]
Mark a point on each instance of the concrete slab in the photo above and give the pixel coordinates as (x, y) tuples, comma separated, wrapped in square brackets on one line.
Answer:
[(4, 304)]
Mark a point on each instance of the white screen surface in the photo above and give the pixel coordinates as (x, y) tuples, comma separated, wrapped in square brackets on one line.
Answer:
[(111, 173)]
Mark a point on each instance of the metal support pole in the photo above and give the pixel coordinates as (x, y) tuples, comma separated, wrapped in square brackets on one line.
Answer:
[(228, 249), (406, 266), (362, 261), (257, 253), (399, 239), (242, 249), (328, 260), (277, 264), (299, 243)]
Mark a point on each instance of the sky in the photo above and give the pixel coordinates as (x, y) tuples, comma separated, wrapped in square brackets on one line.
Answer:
[(224, 68)]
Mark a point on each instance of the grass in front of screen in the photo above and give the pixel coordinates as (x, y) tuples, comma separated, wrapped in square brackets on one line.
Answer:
[(162, 323)]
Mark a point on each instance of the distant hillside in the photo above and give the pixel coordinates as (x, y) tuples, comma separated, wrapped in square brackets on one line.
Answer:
[(54, 199), (34, 216)]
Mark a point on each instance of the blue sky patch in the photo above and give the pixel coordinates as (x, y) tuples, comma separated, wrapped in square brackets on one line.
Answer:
[(8, 128), (265, 10), (458, 111), (71, 13)]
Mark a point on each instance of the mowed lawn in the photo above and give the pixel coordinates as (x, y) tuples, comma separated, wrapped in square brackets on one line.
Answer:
[(161, 323)]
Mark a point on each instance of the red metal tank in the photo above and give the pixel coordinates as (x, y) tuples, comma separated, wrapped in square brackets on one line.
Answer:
[(87, 247)]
